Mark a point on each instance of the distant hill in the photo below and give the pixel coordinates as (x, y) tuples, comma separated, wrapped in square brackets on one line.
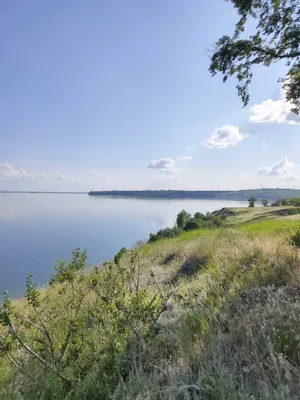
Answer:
[(240, 195)]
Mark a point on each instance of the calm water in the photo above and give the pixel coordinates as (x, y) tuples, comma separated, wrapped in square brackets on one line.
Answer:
[(38, 229)]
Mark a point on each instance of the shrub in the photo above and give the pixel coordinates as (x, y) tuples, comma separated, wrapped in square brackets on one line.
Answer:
[(252, 201), (167, 233), (182, 219), (295, 239), (203, 221), (186, 223), (293, 201), (193, 223), (216, 220), (199, 215), (119, 255), (81, 342), (67, 270)]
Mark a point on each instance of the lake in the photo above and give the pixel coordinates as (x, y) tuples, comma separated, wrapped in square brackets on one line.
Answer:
[(38, 229)]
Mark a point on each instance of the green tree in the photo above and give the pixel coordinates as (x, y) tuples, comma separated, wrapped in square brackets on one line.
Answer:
[(252, 201), (182, 218), (199, 215), (276, 38), (264, 202), (194, 223)]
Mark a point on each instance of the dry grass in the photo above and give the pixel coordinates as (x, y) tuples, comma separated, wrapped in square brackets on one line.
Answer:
[(259, 213), (223, 322)]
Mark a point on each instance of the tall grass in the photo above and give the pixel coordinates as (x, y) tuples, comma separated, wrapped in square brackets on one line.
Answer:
[(205, 316)]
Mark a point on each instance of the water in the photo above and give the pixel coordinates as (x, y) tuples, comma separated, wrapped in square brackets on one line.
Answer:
[(38, 229)]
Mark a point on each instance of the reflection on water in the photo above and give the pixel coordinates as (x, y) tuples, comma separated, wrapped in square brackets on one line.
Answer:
[(38, 229)]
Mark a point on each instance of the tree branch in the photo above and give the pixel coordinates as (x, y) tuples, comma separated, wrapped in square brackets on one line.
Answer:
[(270, 52), (71, 324), (34, 354), (14, 362), (46, 332)]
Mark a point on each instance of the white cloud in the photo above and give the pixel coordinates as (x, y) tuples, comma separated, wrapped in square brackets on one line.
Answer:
[(164, 165), (283, 169), (226, 136), (61, 178), (278, 111), (39, 175), (246, 176), (263, 144), (8, 171), (96, 173), (184, 158), (290, 178)]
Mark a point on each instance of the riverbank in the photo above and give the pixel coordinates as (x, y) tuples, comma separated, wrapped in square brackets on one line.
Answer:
[(211, 314), (225, 195)]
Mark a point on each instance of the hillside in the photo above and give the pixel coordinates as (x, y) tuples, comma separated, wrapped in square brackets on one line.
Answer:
[(212, 314), (242, 215)]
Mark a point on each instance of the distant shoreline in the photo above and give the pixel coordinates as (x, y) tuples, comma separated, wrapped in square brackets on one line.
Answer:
[(239, 195), (36, 192), (235, 195)]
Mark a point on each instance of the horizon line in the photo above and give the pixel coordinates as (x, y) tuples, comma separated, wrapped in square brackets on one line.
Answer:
[(134, 190)]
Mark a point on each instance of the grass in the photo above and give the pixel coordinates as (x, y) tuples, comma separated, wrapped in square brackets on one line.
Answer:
[(185, 236), (271, 226), (213, 314)]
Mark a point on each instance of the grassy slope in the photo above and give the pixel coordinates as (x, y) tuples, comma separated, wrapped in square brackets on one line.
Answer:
[(259, 213), (213, 314), (257, 220)]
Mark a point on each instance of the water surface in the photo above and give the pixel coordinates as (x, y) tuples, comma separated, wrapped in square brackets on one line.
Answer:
[(38, 229)]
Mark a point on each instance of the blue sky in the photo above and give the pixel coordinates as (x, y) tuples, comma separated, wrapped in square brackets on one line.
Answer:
[(116, 95)]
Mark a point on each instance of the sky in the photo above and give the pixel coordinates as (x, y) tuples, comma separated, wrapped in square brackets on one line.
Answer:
[(102, 95)]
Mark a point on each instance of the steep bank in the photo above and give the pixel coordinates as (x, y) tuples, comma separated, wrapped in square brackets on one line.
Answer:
[(212, 314)]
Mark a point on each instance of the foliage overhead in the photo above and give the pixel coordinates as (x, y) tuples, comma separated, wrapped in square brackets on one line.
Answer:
[(276, 38)]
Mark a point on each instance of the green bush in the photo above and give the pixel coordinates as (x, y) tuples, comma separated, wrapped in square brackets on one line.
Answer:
[(194, 223), (295, 239), (182, 219), (167, 233), (293, 201), (252, 201), (187, 223), (80, 343), (119, 255)]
